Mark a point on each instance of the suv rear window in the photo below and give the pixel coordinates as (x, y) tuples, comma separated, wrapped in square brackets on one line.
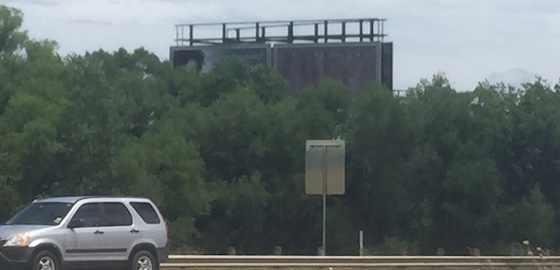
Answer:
[(147, 212), (116, 214)]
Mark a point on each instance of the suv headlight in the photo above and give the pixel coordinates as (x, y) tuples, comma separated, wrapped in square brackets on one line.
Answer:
[(19, 240)]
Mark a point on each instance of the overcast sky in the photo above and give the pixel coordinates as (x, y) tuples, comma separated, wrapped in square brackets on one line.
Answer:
[(469, 40)]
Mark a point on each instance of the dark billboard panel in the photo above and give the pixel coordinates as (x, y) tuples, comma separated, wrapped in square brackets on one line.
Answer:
[(206, 57), (355, 64), (387, 65)]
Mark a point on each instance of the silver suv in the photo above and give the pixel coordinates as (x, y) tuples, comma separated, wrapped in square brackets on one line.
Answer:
[(85, 232)]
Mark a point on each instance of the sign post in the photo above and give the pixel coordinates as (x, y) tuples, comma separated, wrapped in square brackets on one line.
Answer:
[(324, 173)]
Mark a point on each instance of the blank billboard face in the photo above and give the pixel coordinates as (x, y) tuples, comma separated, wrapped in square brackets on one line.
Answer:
[(356, 65), (205, 58)]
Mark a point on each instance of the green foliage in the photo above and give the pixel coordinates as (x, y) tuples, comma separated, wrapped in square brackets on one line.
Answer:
[(396, 246), (222, 152), (534, 218), (167, 168), (11, 37)]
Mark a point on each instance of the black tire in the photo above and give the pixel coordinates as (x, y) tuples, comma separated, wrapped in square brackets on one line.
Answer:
[(46, 260), (144, 260)]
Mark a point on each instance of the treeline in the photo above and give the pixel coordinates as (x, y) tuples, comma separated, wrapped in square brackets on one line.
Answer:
[(223, 152)]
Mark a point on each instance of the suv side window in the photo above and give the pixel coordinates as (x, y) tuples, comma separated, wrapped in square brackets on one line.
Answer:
[(146, 212), (116, 214), (88, 215)]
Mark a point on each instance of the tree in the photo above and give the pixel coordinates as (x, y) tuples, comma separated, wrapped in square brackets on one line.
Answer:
[(165, 165), (33, 99)]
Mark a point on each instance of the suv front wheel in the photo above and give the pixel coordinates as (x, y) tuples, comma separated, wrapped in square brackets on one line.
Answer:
[(144, 260), (45, 260)]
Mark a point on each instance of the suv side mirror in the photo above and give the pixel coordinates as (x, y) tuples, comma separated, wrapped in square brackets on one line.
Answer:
[(75, 223)]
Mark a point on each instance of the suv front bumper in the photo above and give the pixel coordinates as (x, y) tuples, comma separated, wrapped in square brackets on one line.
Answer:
[(14, 258)]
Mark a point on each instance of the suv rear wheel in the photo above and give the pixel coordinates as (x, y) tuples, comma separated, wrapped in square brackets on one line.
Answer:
[(144, 260), (45, 260)]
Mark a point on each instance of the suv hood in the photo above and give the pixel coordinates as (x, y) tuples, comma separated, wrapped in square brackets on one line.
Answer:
[(7, 231)]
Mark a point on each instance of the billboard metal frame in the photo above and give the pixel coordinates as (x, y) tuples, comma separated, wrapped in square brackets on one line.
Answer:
[(369, 30)]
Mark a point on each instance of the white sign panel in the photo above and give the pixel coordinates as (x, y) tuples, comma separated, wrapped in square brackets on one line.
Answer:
[(324, 163)]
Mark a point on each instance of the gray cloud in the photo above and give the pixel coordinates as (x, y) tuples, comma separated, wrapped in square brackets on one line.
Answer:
[(87, 21), (49, 3), (515, 77)]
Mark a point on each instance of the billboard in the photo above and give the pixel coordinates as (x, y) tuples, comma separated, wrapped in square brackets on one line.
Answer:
[(355, 64), (206, 57)]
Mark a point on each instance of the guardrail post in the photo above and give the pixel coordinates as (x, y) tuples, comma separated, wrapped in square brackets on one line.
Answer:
[(277, 251), (361, 242), (473, 251)]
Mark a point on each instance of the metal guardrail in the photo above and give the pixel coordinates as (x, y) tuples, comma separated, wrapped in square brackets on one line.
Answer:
[(203, 261)]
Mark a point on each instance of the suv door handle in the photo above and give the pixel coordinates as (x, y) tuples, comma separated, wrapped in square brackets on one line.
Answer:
[(99, 232), (134, 231)]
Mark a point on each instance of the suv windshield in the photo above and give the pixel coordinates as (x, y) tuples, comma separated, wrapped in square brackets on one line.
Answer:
[(41, 214)]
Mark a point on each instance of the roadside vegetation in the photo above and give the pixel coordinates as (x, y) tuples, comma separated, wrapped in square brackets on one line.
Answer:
[(222, 153)]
